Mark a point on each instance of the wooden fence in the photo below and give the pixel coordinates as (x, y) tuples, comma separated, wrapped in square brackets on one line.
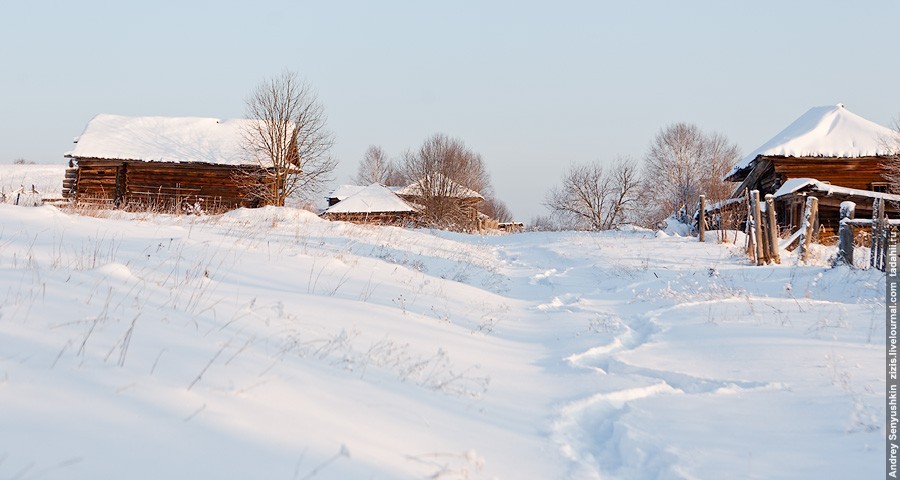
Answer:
[(762, 231), (884, 234)]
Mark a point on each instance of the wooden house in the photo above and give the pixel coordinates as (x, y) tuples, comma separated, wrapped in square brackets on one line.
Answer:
[(343, 192), (375, 204), (828, 152), (445, 202), (165, 163)]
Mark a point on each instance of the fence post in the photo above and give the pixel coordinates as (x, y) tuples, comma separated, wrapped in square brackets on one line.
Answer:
[(757, 228), (748, 230), (845, 235), (809, 219), (884, 233), (874, 254), (774, 254), (701, 223)]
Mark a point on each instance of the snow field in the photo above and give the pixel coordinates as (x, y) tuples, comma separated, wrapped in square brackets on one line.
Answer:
[(47, 179), (271, 344)]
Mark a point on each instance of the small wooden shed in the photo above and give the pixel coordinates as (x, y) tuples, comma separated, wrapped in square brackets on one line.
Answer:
[(837, 154), (440, 195), (165, 163), (375, 204)]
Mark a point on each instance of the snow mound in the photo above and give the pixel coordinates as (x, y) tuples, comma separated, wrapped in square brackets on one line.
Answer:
[(676, 229)]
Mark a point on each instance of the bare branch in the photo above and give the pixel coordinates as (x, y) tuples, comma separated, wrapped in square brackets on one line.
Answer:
[(376, 167), (594, 198), (444, 171), (682, 163), (289, 138)]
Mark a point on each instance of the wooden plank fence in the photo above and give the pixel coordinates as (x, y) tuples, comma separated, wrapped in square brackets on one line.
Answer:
[(884, 234), (762, 231)]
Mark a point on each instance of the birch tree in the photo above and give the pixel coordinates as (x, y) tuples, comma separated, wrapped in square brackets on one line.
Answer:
[(377, 167), (288, 135), (444, 170), (593, 197), (891, 162), (682, 163)]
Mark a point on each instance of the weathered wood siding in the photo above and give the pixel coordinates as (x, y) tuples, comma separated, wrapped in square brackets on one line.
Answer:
[(790, 211), (399, 219), (857, 173), (167, 186), (97, 182)]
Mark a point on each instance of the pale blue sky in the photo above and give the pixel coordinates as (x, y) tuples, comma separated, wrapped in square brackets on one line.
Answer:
[(532, 86)]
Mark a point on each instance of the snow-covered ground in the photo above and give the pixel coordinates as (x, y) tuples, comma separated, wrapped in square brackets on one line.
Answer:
[(272, 344), (46, 179)]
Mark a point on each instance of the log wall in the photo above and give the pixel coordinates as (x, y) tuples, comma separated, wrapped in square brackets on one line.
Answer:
[(399, 219), (166, 186), (857, 173)]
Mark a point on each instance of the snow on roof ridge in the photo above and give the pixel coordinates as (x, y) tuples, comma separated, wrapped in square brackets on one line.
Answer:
[(827, 131), (796, 184), (164, 139), (459, 190), (375, 198), (342, 192)]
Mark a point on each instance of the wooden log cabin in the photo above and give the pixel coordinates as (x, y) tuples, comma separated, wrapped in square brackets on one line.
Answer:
[(164, 163), (446, 203), (375, 204), (829, 152)]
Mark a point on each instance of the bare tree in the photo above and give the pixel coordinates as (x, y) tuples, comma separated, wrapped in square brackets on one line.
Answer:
[(593, 197), (683, 163), (288, 135), (891, 162), (448, 180), (376, 167), (496, 209)]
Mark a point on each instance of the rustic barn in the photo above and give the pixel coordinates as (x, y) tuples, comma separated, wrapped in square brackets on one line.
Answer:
[(164, 163), (443, 196), (825, 146), (375, 204), (343, 192)]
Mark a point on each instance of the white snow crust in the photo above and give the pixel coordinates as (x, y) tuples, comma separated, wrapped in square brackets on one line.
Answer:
[(795, 184), (344, 191), (829, 131), (375, 198), (269, 343), (458, 191), (165, 139)]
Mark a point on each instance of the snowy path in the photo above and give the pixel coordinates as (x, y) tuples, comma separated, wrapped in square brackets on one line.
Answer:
[(635, 304), (271, 344)]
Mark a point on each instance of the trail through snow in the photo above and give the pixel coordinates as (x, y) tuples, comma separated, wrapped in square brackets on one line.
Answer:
[(272, 344)]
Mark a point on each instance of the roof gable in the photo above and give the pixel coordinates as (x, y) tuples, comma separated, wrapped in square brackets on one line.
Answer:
[(344, 191), (165, 139), (831, 131), (375, 198), (457, 190)]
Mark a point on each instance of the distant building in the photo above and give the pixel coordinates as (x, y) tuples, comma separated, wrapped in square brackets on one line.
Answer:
[(375, 204), (343, 192), (434, 201), (828, 152), (446, 203), (165, 163)]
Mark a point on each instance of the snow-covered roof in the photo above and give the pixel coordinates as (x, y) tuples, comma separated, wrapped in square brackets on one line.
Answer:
[(375, 198), (458, 191), (164, 139), (345, 191), (831, 131), (796, 184)]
